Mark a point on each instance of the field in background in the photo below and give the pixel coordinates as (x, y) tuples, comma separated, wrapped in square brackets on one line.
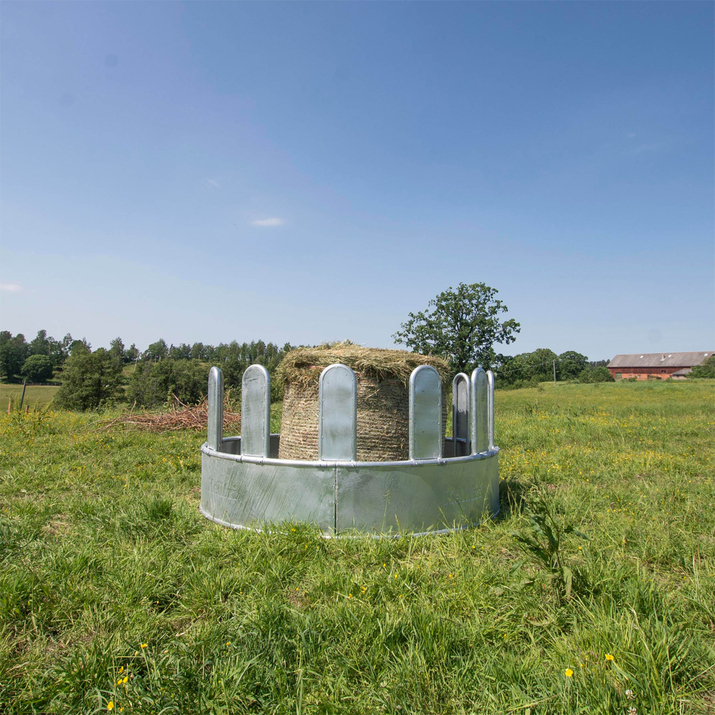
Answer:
[(35, 395), (115, 592)]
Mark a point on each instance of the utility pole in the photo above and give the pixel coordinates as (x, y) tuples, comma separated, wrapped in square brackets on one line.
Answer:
[(554, 373)]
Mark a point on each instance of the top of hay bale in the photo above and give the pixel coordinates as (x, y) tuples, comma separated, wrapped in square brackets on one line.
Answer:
[(304, 365)]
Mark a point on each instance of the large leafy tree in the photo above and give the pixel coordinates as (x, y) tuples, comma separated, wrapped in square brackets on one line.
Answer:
[(571, 364), (41, 345), (158, 350), (461, 325), (90, 379), (37, 368)]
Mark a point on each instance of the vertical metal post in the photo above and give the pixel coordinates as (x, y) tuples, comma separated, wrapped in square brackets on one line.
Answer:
[(490, 408), (24, 387), (256, 412), (460, 414), (480, 411), (337, 398), (215, 416), (425, 413)]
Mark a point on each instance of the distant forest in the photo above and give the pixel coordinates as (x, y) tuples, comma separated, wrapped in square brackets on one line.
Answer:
[(96, 378)]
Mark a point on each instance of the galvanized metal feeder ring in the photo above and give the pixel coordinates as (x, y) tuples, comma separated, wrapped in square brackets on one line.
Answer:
[(446, 484)]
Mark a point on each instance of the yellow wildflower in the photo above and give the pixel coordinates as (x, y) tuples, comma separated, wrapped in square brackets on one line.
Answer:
[(609, 656), (569, 673), (144, 645), (110, 705)]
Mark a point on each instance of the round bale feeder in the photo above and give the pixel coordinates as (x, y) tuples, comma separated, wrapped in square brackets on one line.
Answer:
[(324, 469)]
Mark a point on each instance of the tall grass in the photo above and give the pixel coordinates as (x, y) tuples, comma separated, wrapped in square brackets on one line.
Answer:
[(116, 593)]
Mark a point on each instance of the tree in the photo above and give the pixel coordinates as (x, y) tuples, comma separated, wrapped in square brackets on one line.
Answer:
[(89, 379), (526, 368), (151, 384), (596, 374), (79, 347), (13, 353), (705, 369), (540, 364), (461, 325), (60, 350), (116, 348), (180, 352), (37, 368), (41, 344), (571, 364), (158, 350), (131, 354)]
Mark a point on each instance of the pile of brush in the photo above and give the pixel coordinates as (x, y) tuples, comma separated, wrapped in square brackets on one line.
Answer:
[(178, 417)]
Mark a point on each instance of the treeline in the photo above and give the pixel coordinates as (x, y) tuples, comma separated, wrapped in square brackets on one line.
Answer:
[(97, 378), (182, 371), (102, 377), (531, 368), (35, 361)]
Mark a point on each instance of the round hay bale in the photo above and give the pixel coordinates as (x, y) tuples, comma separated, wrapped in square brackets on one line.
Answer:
[(383, 378)]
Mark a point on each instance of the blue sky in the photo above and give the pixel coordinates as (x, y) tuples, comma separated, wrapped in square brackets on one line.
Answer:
[(304, 172)]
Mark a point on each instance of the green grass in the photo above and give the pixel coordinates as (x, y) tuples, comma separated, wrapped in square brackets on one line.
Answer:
[(114, 589), (35, 395)]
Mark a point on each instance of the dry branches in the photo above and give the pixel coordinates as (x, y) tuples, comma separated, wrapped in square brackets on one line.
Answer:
[(179, 417)]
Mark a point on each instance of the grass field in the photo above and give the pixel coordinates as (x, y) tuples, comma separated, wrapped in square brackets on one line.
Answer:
[(35, 395), (115, 594)]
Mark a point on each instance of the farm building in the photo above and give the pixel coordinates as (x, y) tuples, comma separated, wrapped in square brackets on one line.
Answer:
[(652, 365)]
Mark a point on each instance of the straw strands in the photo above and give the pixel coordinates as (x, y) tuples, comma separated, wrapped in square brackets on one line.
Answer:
[(304, 365)]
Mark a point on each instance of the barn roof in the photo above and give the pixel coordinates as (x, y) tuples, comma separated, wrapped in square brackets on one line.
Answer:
[(660, 359)]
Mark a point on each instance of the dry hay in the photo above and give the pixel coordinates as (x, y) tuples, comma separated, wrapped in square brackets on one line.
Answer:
[(179, 417), (304, 365), (382, 398)]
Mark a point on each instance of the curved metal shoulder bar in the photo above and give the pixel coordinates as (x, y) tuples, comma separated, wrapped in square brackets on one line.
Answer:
[(425, 413), (490, 408), (215, 409), (480, 411), (256, 411), (337, 398)]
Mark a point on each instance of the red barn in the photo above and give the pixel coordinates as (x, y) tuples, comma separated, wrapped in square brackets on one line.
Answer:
[(661, 365)]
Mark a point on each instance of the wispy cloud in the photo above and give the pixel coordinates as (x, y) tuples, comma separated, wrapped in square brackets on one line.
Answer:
[(213, 184), (268, 222), (10, 287)]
